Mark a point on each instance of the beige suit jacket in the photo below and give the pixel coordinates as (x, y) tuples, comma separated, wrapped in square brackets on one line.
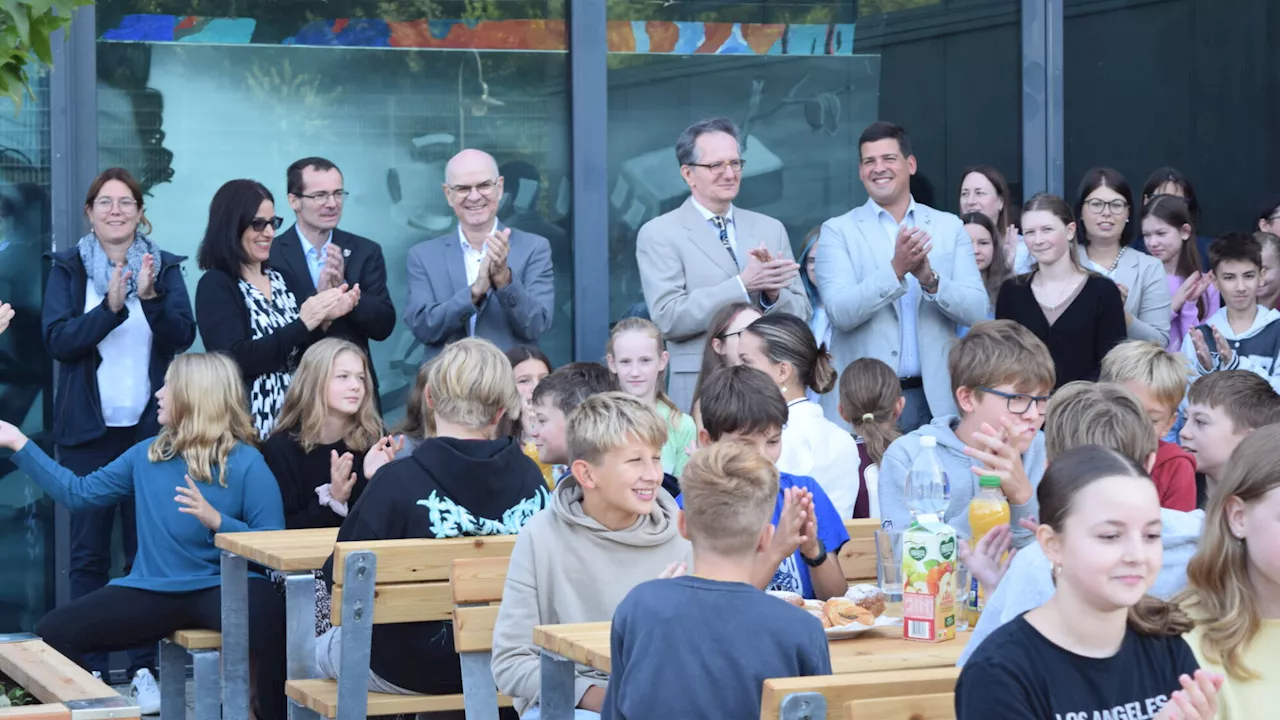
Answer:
[(687, 276)]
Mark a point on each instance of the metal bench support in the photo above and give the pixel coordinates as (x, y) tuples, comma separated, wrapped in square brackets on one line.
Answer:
[(357, 635), (557, 699), (479, 692), (803, 706)]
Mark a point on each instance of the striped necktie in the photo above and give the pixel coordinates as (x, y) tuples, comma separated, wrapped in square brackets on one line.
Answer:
[(722, 223)]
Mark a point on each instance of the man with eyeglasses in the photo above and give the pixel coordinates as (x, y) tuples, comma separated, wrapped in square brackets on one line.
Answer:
[(897, 277), (709, 253), (483, 279), (314, 255)]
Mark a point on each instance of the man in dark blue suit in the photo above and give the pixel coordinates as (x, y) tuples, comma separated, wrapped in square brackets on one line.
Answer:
[(315, 255)]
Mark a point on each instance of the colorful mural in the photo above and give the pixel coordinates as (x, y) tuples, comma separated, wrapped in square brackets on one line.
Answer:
[(641, 37)]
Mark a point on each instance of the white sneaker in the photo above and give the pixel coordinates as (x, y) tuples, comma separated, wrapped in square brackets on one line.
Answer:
[(145, 692)]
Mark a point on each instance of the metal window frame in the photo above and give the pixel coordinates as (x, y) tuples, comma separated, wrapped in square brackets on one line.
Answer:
[(73, 142), (1042, 110), (589, 138)]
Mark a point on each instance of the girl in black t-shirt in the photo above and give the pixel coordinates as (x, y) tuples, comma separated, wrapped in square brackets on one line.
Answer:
[(1100, 647)]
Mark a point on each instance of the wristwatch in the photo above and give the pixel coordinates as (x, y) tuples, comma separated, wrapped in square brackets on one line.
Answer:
[(933, 283), (822, 555)]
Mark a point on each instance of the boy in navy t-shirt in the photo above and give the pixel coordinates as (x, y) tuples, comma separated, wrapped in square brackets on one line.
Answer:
[(709, 642), (742, 406)]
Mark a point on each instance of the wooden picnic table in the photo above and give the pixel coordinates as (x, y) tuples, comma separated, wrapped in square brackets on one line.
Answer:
[(296, 554), (877, 649)]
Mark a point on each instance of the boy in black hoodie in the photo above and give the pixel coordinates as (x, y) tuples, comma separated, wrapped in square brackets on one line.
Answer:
[(462, 482)]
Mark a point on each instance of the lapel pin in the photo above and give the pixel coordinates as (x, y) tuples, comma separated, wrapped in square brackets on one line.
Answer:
[(346, 252)]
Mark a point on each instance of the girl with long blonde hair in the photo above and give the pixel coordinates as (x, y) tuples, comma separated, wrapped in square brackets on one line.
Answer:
[(327, 425), (1233, 581), (200, 476), (637, 357)]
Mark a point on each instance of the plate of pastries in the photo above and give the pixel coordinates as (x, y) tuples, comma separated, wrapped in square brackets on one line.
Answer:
[(859, 610)]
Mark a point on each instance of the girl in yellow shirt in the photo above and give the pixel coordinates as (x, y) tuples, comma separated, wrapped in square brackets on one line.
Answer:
[(1233, 582)]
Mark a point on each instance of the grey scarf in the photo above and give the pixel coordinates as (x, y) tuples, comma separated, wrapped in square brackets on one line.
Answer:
[(98, 266)]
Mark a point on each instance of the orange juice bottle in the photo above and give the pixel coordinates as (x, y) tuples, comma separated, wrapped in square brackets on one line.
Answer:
[(987, 510)]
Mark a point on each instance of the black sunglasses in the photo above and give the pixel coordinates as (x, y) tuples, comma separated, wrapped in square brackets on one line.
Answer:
[(259, 224)]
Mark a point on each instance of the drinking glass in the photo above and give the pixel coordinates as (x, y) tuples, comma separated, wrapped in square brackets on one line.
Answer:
[(889, 563)]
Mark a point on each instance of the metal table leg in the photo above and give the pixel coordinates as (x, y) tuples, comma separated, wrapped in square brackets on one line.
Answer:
[(235, 637), (300, 633), (557, 699)]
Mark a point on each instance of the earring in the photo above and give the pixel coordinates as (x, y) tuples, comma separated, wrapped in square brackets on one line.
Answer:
[(1057, 570)]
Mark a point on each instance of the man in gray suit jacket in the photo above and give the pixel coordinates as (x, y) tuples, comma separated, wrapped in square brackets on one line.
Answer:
[(483, 280), (707, 253), (897, 277)]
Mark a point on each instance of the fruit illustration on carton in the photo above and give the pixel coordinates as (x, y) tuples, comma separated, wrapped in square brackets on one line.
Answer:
[(928, 565)]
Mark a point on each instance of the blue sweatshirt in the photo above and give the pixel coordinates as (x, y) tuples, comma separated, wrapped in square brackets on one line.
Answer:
[(175, 552)]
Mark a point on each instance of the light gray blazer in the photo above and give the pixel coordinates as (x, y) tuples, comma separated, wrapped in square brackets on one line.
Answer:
[(1148, 302), (687, 276), (860, 293), (439, 309)]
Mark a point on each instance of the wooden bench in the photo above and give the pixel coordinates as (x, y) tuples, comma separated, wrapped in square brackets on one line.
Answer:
[(64, 689), (939, 706), (204, 647), (858, 556), (819, 697), (477, 588), (388, 582)]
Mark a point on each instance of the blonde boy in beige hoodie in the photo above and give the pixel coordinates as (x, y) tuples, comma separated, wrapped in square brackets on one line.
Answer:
[(609, 527)]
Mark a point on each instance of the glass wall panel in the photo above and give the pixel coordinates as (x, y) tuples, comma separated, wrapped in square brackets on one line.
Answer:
[(803, 79), (1185, 83), (26, 373), (388, 91)]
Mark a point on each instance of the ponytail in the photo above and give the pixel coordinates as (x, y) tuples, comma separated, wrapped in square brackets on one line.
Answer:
[(869, 393), (1153, 616), (823, 378)]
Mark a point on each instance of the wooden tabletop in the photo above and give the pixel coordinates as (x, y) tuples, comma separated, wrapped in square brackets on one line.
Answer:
[(283, 550), (874, 650)]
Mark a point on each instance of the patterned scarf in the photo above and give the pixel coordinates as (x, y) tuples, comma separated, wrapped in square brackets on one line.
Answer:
[(99, 268)]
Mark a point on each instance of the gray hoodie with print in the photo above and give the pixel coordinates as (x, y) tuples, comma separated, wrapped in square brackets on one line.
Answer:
[(895, 471)]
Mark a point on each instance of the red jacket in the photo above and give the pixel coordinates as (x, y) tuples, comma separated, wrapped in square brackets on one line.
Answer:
[(1175, 476)]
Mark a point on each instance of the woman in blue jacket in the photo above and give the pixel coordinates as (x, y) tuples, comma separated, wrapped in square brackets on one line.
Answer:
[(201, 475), (116, 312)]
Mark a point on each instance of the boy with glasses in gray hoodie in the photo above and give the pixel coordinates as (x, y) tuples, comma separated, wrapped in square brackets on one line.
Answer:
[(610, 526), (1001, 375)]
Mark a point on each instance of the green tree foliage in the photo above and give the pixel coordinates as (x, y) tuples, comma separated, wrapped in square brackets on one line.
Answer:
[(26, 27)]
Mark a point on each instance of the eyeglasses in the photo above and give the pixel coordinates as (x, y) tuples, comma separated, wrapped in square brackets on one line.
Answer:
[(1018, 403), (720, 167), (126, 205), (726, 336), (1096, 207), (259, 224), (324, 197), (485, 188)]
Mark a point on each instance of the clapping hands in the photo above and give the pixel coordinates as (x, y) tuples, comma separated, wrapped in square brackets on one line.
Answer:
[(382, 452), (6, 315), (194, 503)]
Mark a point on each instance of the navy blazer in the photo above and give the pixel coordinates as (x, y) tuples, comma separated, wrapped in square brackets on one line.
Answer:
[(374, 317), (71, 337)]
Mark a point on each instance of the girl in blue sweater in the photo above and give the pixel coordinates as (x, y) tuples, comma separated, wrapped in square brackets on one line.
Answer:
[(201, 475)]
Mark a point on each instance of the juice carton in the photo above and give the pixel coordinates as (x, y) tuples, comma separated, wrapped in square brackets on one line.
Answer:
[(928, 594)]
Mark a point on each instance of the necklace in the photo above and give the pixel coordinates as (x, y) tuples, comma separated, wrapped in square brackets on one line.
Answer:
[(1114, 263)]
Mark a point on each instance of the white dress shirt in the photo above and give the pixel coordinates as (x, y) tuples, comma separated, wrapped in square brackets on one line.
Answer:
[(315, 258), (909, 358), (124, 375), (731, 229), (471, 260), (813, 446)]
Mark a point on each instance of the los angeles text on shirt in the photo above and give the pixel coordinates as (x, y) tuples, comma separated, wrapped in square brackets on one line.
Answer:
[(1129, 711)]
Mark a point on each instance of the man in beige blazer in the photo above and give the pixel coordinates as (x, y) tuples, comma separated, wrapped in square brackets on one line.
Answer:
[(707, 253)]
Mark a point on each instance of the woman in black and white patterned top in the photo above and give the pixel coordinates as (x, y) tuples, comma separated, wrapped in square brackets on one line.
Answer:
[(244, 308)]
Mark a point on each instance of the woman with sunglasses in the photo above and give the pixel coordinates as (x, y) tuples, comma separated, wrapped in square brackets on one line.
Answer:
[(244, 308)]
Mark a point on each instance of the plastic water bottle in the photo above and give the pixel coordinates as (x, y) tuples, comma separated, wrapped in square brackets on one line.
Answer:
[(928, 487)]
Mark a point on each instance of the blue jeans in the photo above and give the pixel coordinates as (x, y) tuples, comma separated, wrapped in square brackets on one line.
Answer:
[(91, 532)]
